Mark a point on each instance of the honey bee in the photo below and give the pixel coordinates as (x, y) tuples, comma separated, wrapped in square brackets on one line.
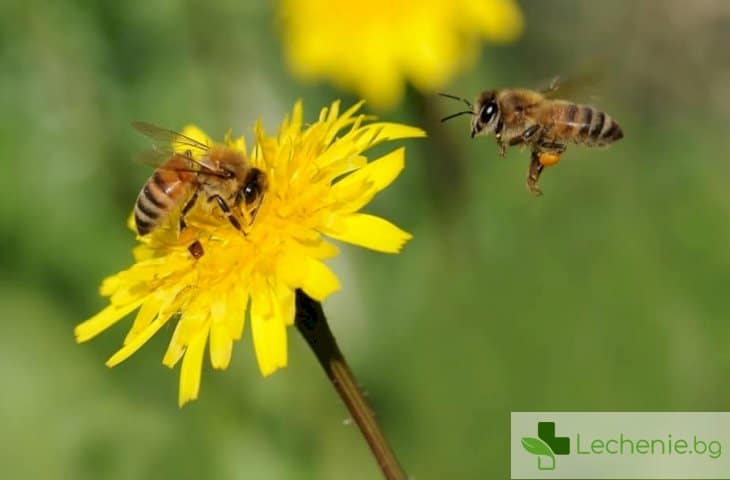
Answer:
[(221, 175), (546, 125)]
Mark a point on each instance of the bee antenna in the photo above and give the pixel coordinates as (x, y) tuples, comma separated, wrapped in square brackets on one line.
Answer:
[(454, 97), (453, 115)]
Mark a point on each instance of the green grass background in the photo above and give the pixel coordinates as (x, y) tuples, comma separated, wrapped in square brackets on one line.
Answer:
[(607, 293)]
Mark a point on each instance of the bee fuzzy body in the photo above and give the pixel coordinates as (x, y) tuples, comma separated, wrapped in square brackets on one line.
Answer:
[(221, 177), (166, 190), (533, 119), (581, 124)]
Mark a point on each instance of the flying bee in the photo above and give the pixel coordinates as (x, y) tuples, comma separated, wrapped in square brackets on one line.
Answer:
[(546, 125), (221, 175)]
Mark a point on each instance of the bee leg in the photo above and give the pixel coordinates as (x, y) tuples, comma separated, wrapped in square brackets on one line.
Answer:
[(186, 209), (552, 147), (502, 148), (556, 148), (533, 173), (227, 211), (526, 136)]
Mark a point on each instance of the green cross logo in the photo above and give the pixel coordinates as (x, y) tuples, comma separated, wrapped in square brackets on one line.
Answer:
[(546, 445)]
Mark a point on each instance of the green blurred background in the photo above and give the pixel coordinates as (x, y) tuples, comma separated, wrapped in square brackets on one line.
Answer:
[(607, 293)]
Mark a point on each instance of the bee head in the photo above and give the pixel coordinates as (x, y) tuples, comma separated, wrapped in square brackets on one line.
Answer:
[(252, 192), (253, 187), (486, 114)]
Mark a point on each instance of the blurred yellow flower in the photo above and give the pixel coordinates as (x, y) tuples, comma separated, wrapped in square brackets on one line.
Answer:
[(373, 47), (318, 180)]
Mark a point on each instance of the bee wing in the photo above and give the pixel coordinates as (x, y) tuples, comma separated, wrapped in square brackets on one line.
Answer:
[(169, 139), (551, 87), (155, 157), (168, 143), (575, 87)]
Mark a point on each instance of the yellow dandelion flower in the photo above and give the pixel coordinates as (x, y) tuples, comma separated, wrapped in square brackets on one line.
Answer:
[(318, 180), (374, 47)]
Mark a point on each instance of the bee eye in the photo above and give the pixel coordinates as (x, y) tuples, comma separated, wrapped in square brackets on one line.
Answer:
[(488, 112), (250, 192)]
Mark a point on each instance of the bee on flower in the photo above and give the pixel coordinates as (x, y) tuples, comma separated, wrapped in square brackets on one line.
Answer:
[(215, 257), (221, 173)]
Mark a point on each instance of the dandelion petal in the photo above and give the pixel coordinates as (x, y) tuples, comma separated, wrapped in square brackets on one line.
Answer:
[(175, 350), (146, 314), (368, 231), (135, 343), (221, 345), (191, 368), (269, 335), (285, 304), (236, 313), (395, 131), (319, 281), (221, 340), (358, 188), (103, 320)]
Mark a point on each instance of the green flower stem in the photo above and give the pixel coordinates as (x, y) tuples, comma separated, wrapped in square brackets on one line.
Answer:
[(312, 324)]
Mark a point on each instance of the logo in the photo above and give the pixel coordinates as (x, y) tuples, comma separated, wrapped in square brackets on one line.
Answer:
[(620, 445), (546, 445)]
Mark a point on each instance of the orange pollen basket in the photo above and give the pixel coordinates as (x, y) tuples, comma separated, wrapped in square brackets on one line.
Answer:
[(549, 159)]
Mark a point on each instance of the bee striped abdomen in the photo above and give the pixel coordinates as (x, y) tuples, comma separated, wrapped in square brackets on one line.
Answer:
[(602, 129), (584, 124), (162, 193)]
